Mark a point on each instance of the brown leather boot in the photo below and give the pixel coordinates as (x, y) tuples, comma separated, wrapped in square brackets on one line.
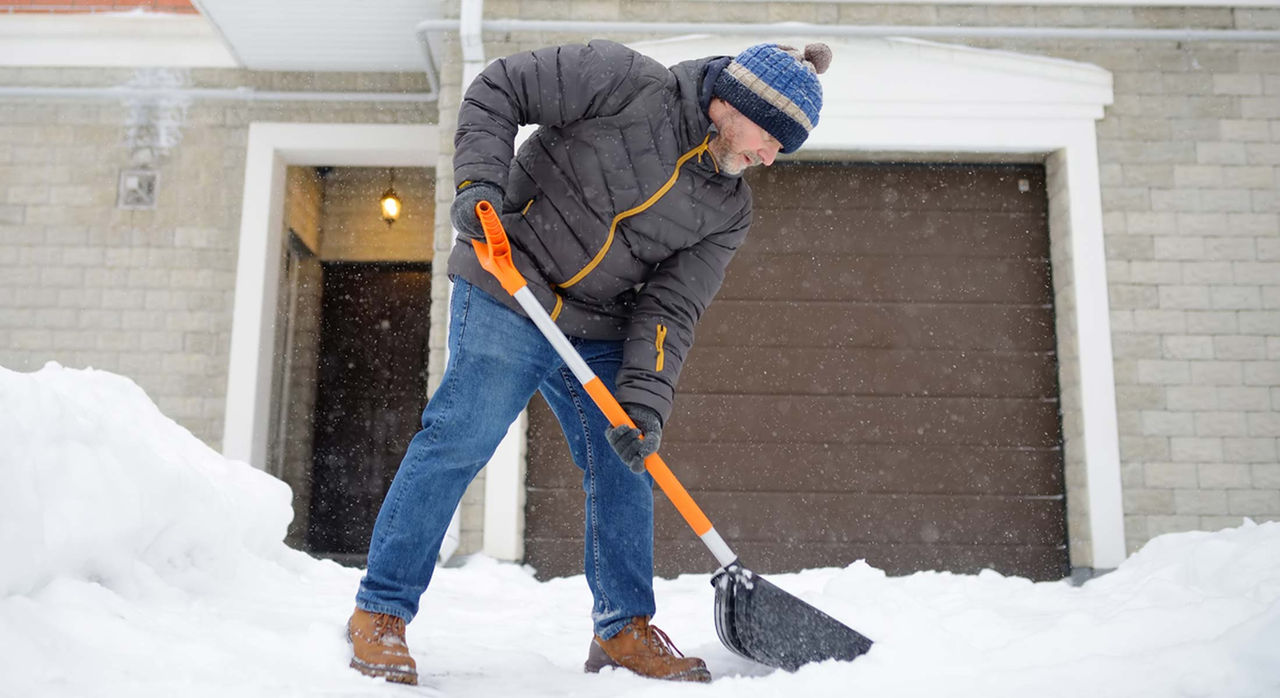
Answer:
[(647, 651), (378, 648)]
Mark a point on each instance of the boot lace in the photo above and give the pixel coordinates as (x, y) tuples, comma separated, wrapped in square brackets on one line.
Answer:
[(388, 629), (660, 642)]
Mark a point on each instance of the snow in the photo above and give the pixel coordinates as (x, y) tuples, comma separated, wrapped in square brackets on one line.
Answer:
[(139, 562)]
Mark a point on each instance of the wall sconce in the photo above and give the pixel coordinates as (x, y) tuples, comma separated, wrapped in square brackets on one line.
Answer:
[(390, 202)]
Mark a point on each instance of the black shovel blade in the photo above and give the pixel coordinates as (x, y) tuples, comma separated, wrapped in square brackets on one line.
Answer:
[(763, 623)]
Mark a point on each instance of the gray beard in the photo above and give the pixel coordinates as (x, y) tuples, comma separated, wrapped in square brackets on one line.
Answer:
[(715, 146)]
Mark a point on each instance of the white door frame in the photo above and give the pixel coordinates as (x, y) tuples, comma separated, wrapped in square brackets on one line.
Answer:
[(272, 148)]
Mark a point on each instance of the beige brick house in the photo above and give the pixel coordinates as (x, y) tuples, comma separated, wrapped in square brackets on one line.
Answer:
[(1093, 189)]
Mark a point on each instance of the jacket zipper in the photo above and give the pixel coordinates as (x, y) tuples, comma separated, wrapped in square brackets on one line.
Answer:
[(659, 343), (613, 227)]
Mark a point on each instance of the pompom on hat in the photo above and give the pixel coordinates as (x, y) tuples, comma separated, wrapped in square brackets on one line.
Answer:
[(777, 88)]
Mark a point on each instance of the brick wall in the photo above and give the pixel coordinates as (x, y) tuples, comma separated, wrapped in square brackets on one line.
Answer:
[(145, 293), (1190, 153), (304, 196)]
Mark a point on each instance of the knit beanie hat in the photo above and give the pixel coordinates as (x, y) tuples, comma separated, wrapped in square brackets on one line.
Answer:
[(777, 88)]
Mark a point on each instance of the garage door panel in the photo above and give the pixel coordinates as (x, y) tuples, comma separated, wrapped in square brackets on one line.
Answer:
[(901, 187), (877, 379), (883, 325), (674, 558), (975, 421), (822, 466), (549, 463), (886, 233), (863, 468), (766, 371), (557, 558), (847, 518), (840, 277), (1039, 563), (554, 527), (770, 517)]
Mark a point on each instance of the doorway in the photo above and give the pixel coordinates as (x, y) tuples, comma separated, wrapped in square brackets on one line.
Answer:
[(351, 348), (371, 379)]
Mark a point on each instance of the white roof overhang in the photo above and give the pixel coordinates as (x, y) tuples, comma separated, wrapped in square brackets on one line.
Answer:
[(119, 39), (322, 35)]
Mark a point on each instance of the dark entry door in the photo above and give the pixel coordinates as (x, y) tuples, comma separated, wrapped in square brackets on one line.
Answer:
[(372, 388), (876, 380)]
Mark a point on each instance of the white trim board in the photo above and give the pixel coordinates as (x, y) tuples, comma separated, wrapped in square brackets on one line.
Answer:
[(141, 39), (899, 95), (273, 147)]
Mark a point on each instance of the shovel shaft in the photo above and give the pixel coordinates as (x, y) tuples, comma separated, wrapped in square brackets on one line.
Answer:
[(495, 257)]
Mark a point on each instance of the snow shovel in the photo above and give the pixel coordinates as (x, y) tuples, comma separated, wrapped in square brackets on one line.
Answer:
[(754, 618)]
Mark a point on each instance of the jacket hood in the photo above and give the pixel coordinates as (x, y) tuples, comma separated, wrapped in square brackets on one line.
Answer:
[(694, 80)]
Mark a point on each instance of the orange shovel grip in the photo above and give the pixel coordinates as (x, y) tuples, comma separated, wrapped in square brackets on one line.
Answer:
[(495, 254), (671, 487), (495, 258)]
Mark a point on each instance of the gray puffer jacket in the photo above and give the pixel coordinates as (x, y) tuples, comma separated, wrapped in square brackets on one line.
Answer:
[(617, 214)]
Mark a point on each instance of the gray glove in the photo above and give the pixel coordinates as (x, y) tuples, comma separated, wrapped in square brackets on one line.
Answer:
[(463, 211), (627, 442)]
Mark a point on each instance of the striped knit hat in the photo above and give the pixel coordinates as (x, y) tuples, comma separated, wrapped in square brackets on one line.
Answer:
[(777, 88)]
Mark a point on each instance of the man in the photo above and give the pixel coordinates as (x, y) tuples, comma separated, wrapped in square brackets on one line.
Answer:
[(622, 210)]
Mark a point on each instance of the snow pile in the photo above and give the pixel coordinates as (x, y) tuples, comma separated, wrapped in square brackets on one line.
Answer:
[(97, 481), (140, 563), (1192, 614)]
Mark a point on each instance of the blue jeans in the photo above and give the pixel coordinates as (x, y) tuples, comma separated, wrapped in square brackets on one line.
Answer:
[(497, 359)]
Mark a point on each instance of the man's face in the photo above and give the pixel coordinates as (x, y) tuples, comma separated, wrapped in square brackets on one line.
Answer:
[(740, 143)]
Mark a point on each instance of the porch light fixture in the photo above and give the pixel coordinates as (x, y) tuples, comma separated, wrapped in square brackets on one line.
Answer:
[(390, 202)]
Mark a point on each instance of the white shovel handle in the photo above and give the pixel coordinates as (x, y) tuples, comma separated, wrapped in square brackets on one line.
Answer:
[(495, 257)]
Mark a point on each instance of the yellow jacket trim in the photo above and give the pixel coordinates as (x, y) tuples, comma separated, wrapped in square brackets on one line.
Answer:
[(555, 312), (662, 337), (613, 227)]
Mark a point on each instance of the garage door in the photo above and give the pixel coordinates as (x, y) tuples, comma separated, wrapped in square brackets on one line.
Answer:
[(877, 380)]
